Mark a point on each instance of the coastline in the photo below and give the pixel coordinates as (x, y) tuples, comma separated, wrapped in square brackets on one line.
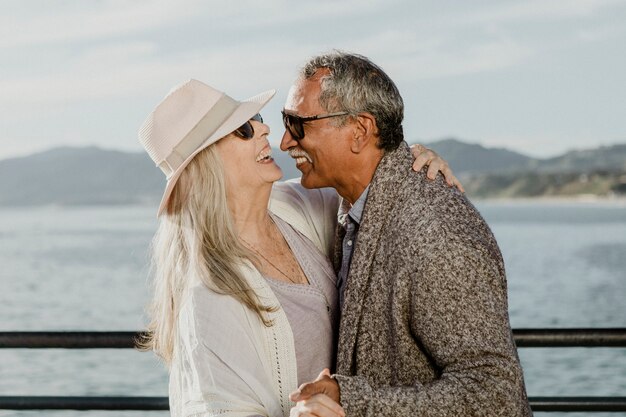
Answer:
[(591, 199), (582, 199)]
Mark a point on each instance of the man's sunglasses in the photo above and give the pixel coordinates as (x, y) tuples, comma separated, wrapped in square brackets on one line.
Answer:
[(295, 124), (246, 131)]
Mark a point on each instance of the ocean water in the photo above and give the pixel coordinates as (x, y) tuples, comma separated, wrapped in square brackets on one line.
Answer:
[(85, 268)]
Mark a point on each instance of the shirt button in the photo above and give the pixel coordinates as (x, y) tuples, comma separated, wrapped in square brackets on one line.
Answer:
[(349, 243)]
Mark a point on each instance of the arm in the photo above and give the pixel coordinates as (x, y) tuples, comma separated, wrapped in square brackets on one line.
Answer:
[(219, 364), (459, 314)]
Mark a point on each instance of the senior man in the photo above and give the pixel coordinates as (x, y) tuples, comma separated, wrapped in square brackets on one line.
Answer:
[(424, 327)]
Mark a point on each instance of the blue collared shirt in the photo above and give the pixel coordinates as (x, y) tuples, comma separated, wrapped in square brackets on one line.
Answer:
[(350, 219)]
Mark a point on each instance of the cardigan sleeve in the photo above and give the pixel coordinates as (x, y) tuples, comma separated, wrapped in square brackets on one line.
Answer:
[(459, 315), (219, 366)]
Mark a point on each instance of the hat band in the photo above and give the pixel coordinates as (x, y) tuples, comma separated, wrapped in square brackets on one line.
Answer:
[(207, 126)]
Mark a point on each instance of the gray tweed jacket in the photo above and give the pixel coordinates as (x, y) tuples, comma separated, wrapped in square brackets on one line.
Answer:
[(425, 329)]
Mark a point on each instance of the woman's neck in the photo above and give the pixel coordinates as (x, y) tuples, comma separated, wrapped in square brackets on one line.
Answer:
[(249, 213)]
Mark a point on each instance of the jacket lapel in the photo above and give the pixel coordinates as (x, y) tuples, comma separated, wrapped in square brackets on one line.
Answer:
[(381, 198), (340, 232)]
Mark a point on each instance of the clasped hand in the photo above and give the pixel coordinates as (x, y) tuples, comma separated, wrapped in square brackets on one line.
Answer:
[(318, 398)]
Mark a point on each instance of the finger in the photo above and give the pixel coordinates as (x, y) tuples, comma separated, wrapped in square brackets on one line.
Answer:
[(448, 175), (327, 402), (317, 410), (417, 148), (321, 405), (296, 412), (295, 396), (451, 179), (300, 410), (458, 185), (420, 161), (325, 373), (306, 391), (435, 166)]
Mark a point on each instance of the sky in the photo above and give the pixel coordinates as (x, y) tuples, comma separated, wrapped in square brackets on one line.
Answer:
[(539, 77)]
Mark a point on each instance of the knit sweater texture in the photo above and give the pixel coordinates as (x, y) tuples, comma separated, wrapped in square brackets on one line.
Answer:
[(424, 328)]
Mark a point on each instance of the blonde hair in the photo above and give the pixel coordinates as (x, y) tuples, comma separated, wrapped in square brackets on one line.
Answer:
[(196, 237)]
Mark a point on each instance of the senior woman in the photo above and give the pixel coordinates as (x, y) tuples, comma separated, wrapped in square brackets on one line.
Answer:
[(240, 263)]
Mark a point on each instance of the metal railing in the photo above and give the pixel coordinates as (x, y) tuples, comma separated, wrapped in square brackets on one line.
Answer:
[(524, 338)]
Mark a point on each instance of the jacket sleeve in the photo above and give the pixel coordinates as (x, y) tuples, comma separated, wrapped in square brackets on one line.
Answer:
[(219, 364), (459, 315)]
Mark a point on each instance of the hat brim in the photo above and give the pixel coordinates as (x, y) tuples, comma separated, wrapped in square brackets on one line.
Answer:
[(244, 112)]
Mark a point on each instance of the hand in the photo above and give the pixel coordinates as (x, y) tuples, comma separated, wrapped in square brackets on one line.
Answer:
[(324, 384), (318, 405), (427, 157)]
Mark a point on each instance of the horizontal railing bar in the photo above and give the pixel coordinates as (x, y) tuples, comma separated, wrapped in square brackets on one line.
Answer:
[(571, 404), (578, 404), (605, 337), (69, 340), (82, 403)]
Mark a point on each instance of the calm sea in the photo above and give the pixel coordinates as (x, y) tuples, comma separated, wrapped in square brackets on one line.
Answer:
[(85, 268)]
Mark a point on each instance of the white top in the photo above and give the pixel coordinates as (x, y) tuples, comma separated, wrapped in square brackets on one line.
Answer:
[(226, 361), (313, 309)]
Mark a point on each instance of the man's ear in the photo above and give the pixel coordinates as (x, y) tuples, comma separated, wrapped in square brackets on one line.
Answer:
[(365, 132)]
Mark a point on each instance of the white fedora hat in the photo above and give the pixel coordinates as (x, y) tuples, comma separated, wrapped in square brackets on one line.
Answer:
[(191, 117)]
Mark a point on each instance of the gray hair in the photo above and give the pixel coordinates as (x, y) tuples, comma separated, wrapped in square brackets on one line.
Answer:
[(355, 84)]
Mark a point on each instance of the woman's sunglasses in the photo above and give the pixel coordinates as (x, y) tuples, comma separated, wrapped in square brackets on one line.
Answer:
[(295, 124), (246, 131)]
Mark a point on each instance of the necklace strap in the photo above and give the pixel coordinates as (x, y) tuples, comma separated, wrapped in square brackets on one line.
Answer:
[(256, 251)]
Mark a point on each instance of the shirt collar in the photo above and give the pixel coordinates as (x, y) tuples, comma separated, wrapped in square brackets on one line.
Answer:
[(356, 211)]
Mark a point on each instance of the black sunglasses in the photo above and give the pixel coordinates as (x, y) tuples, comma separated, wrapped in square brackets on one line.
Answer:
[(246, 131), (295, 124)]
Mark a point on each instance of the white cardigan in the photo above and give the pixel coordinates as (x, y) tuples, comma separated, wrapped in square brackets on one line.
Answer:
[(226, 361)]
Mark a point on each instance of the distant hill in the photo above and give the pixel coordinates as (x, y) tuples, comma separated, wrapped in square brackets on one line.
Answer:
[(530, 184), (467, 158), (605, 158), (500, 173), (472, 158), (80, 176)]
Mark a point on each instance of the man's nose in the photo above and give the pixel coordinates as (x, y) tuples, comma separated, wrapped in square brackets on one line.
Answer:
[(287, 141)]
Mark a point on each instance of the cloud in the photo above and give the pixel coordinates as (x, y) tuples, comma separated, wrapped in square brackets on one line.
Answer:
[(137, 68), (57, 23), (131, 69), (600, 33), (535, 9), (119, 58), (54, 23), (100, 73), (414, 56)]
